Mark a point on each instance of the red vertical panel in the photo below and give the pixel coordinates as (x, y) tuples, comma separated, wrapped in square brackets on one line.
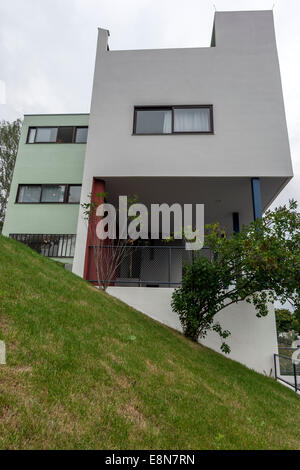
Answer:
[(89, 268)]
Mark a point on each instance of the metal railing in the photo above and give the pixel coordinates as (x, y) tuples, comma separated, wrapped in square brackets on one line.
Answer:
[(153, 266), (50, 245), (287, 371)]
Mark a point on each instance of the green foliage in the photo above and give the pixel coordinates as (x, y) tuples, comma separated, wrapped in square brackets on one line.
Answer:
[(285, 320), (296, 324), (90, 207), (9, 140), (259, 265), (286, 340), (76, 379)]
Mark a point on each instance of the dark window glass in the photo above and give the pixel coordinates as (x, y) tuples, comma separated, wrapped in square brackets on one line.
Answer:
[(46, 134), (53, 193), (74, 194), (173, 119), (64, 135), (153, 121), (29, 193), (59, 135), (81, 135)]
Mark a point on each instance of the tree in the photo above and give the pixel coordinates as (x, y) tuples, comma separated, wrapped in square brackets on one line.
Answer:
[(259, 265), (9, 140), (296, 322), (285, 320)]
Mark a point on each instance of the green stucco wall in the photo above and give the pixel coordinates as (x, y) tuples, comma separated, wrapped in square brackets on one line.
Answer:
[(42, 164)]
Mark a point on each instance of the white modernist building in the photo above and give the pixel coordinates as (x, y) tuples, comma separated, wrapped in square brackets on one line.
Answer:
[(198, 125), (189, 126)]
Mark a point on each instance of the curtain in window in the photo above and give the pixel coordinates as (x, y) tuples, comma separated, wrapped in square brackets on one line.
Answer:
[(192, 120)]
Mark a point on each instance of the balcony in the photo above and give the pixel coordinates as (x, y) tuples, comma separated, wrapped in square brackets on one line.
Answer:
[(49, 245), (149, 266)]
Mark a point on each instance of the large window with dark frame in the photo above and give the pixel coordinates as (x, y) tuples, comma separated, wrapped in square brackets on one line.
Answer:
[(57, 135), (48, 193), (151, 120)]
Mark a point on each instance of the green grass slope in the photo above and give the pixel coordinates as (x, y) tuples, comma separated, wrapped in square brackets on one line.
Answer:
[(87, 371)]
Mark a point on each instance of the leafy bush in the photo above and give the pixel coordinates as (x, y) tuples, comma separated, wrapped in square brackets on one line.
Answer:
[(259, 265), (285, 320)]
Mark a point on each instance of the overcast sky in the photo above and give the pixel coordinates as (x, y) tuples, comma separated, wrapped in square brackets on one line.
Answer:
[(47, 50)]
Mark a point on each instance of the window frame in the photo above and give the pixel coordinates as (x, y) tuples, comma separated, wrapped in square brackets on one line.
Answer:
[(72, 132), (47, 185), (75, 134), (171, 108), (36, 133), (66, 193), (55, 127)]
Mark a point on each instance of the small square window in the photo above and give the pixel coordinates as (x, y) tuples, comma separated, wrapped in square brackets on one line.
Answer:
[(153, 121), (64, 135), (53, 193), (74, 194), (29, 194), (46, 134), (192, 119), (81, 135)]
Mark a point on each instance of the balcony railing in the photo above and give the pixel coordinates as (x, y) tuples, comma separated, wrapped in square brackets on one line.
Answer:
[(287, 371), (50, 245), (152, 266)]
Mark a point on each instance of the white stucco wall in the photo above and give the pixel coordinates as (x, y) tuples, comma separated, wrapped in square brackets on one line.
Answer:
[(240, 77), (253, 340)]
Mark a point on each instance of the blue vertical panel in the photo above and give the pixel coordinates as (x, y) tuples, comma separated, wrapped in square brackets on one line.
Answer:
[(256, 198), (236, 222)]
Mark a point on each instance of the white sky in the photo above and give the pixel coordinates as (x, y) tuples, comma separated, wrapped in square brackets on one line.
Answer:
[(47, 50)]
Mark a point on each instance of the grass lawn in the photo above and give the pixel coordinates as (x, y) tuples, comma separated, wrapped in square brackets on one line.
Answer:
[(87, 371)]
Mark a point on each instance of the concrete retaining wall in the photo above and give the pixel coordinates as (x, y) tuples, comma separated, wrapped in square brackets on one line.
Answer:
[(253, 340)]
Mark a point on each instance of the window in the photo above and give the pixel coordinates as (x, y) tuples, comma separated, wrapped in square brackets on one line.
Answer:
[(189, 119), (58, 135), (46, 134), (74, 193), (54, 246), (81, 135), (53, 193), (31, 135), (192, 120), (153, 121), (48, 194), (64, 135), (30, 194)]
